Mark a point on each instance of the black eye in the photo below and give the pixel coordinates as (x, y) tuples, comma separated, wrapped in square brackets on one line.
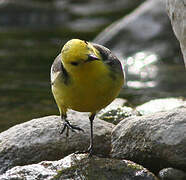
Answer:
[(74, 63)]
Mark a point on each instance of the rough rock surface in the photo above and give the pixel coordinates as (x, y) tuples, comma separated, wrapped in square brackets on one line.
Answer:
[(80, 167), (172, 174), (39, 139), (177, 13), (155, 141)]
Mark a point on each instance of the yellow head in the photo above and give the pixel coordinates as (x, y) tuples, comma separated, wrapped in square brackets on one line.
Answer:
[(76, 53)]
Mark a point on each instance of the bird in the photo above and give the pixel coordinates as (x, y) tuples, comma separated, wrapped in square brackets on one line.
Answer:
[(85, 77)]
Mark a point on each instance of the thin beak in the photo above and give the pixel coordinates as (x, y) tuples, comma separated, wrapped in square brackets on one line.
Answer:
[(92, 57)]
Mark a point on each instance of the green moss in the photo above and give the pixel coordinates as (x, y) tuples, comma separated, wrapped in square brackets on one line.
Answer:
[(135, 166), (100, 168)]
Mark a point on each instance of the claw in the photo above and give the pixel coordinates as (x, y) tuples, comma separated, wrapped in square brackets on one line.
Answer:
[(73, 128)]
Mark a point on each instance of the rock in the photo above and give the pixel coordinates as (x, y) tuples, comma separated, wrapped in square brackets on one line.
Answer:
[(157, 105), (172, 174), (155, 141), (117, 111), (146, 29), (176, 11), (80, 167), (39, 139)]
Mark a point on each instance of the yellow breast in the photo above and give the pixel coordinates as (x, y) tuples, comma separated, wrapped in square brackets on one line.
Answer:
[(90, 89)]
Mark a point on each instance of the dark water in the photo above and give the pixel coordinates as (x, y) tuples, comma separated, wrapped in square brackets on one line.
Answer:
[(25, 59), (31, 36)]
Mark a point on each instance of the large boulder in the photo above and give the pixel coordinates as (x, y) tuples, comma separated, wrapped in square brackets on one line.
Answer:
[(177, 13), (155, 141), (39, 139), (80, 167)]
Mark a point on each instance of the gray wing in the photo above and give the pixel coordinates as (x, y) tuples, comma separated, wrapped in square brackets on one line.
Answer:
[(109, 59), (58, 70)]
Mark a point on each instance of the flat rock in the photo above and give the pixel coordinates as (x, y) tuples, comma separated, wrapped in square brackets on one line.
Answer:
[(80, 167), (155, 141), (163, 104), (39, 139)]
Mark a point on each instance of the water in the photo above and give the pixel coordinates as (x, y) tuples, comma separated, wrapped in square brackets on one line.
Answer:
[(25, 59), (31, 36)]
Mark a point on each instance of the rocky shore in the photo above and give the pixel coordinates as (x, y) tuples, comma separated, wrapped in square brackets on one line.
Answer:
[(139, 146), (147, 142)]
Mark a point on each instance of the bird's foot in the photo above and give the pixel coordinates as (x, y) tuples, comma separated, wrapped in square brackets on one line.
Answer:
[(89, 151), (68, 126)]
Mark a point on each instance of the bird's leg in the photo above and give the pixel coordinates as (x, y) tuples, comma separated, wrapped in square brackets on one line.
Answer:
[(63, 118), (68, 126), (90, 149)]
